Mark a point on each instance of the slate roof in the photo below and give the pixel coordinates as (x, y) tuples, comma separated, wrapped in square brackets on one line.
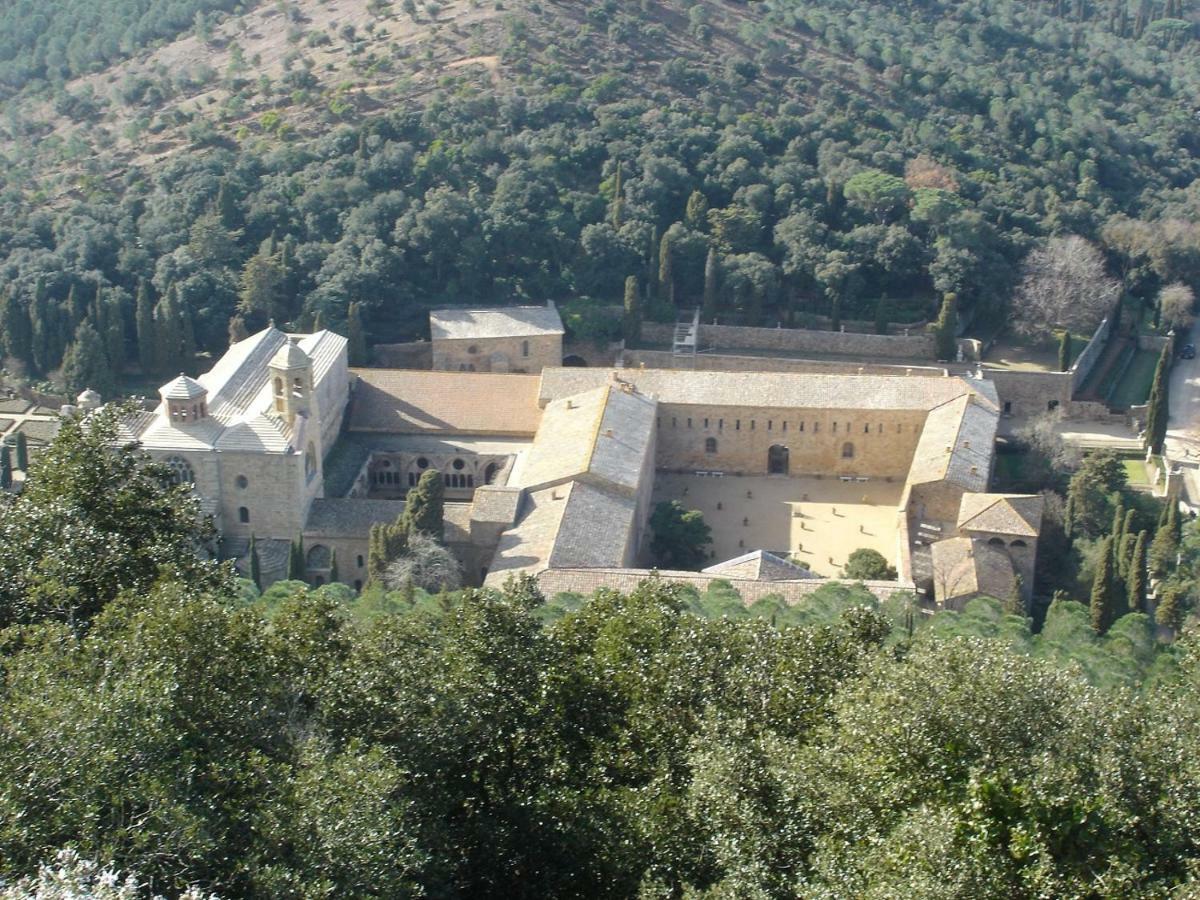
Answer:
[(604, 435), (408, 401), (771, 389), (343, 517), (956, 445), (509, 321), (965, 568), (760, 565), (182, 388), (1010, 514)]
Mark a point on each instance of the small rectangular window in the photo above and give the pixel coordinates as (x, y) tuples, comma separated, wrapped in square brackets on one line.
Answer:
[(817, 427), (689, 421), (706, 423), (720, 424), (801, 426), (673, 423), (737, 425), (835, 427), (866, 429), (751, 424), (785, 427), (769, 424)]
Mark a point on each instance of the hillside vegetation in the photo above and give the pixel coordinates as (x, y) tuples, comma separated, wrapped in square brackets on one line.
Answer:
[(842, 158)]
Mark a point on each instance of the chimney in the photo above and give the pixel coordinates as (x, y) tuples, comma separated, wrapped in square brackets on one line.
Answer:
[(966, 445), (608, 432)]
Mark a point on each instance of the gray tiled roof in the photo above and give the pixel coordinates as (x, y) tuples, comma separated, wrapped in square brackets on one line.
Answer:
[(509, 321), (346, 517), (760, 565)]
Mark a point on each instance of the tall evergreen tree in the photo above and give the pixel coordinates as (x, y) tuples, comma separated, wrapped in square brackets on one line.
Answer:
[(1159, 404), (424, 505), (86, 365), (334, 576), (47, 340), (356, 336), (946, 328), (695, 216), (114, 330), (666, 271), (711, 287), (1104, 590), (633, 311), (653, 252), (882, 310), (16, 331), (147, 332), (76, 305), (237, 329), (5, 466), (1164, 547), (1064, 351), (296, 567), (255, 563), (1137, 577), (618, 199)]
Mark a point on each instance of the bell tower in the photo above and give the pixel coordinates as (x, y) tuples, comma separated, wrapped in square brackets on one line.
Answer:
[(291, 382)]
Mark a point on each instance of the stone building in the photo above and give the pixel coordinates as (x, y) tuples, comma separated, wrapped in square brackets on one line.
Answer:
[(506, 339), (552, 472)]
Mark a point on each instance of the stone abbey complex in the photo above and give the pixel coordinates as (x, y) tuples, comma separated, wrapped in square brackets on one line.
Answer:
[(554, 471)]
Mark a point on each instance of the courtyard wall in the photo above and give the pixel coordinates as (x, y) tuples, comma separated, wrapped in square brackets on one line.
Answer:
[(800, 340)]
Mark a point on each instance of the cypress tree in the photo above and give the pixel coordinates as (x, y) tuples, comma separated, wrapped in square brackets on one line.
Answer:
[(46, 340), (86, 365), (170, 338), (881, 316), (1103, 599), (1169, 613), (355, 336), (1137, 578), (147, 333), (1158, 406), (652, 255), (256, 563), (21, 446), (75, 305), (1164, 547), (16, 331), (633, 311), (5, 466), (711, 275), (376, 554), (1064, 351), (114, 331), (296, 560), (618, 200), (1118, 521), (666, 271), (945, 329), (423, 507), (835, 313), (333, 568), (695, 216)]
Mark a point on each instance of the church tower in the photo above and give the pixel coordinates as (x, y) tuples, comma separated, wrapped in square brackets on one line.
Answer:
[(292, 382)]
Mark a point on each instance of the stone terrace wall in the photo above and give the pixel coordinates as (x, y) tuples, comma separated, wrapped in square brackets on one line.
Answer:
[(586, 581), (1090, 355), (413, 355), (717, 362), (798, 340)]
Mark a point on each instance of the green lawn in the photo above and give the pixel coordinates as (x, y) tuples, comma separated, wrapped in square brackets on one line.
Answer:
[(1135, 472), (1134, 387)]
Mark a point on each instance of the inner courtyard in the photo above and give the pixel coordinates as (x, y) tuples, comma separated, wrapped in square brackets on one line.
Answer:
[(813, 520)]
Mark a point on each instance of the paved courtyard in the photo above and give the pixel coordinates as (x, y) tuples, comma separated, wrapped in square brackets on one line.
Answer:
[(819, 521)]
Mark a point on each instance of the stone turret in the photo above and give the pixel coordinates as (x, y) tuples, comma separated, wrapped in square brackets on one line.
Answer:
[(292, 382), (185, 400)]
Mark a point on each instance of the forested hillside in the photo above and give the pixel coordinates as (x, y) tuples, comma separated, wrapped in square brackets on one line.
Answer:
[(294, 158)]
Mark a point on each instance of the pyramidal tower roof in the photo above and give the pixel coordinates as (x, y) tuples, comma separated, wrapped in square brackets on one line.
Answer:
[(182, 388)]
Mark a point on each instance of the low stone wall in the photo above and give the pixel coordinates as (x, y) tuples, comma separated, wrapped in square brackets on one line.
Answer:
[(1153, 342), (1094, 411), (719, 362), (1083, 364), (799, 340), (412, 355), (587, 581), (1031, 393)]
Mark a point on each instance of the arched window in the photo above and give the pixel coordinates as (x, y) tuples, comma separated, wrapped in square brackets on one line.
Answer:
[(298, 387), (278, 387), (181, 471), (710, 445), (996, 542), (243, 515), (847, 450), (242, 482), (360, 561), (318, 557), (1018, 543)]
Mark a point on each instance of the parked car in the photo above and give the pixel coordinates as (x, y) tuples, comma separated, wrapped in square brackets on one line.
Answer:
[(1188, 351)]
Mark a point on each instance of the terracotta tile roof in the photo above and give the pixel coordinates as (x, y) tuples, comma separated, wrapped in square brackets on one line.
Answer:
[(507, 321), (409, 401), (1013, 514)]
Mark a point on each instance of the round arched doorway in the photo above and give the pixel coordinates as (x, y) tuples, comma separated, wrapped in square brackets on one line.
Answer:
[(777, 460)]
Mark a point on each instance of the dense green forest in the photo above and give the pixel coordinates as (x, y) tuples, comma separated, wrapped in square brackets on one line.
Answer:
[(160, 717), (809, 158)]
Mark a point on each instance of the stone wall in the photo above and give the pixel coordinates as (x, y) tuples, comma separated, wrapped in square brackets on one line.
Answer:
[(1083, 364), (1031, 393), (502, 354), (594, 355), (881, 442), (799, 340), (587, 581), (715, 362)]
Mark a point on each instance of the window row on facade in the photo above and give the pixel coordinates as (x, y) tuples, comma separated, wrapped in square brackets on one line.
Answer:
[(752, 425)]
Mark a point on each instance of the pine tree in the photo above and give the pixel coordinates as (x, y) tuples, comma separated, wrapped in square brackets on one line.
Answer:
[(1138, 578), (1158, 407), (1104, 599), (423, 507), (666, 272), (86, 366), (21, 448), (711, 276), (946, 328), (333, 568), (633, 311), (5, 466), (147, 332), (1064, 351), (256, 563), (356, 337)]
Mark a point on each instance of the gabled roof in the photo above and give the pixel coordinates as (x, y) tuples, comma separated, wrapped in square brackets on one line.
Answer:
[(1015, 514), (508, 321), (956, 443), (760, 565), (403, 401), (965, 568)]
